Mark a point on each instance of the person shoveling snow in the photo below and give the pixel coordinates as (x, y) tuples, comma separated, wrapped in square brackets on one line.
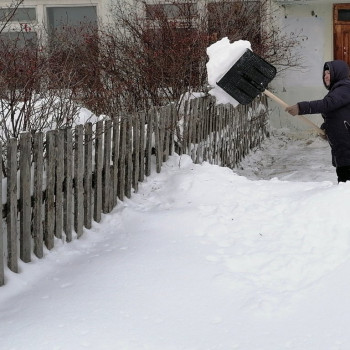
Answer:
[(335, 109)]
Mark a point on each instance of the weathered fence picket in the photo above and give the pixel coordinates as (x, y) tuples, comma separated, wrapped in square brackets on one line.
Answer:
[(106, 172), (38, 159), (128, 160), (49, 227), (157, 126), (188, 127), (136, 151), (25, 197), (173, 125), (148, 151), (168, 127), (11, 215), (115, 159), (142, 148), (75, 182), (163, 121), (88, 176), (2, 268), (68, 175), (98, 171), (122, 156), (59, 183), (78, 180)]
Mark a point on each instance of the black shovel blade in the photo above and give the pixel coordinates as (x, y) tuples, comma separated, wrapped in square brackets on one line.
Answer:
[(247, 78)]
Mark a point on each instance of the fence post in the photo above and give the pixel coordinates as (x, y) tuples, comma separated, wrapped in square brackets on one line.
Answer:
[(172, 129), (78, 181), (98, 171), (186, 117), (129, 151), (217, 134), (106, 179), (191, 126), (229, 136), (50, 189), (121, 163), (2, 274), (148, 152), (38, 158), (158, 142), (136, 152), (67, 199), (142, 147), (59, 183), (199, 130), (115, 158), (88, 176), (211, 116), (25, 197), (11, 216), (205, 129), (163, 117), (166, 132)]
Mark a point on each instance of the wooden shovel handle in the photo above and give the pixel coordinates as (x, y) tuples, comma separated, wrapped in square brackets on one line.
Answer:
[(284, 105)]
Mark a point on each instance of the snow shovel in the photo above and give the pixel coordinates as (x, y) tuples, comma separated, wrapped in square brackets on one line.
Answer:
[(249, 77)]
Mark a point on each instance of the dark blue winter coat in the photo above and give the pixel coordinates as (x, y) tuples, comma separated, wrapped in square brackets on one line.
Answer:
[(335, 109)]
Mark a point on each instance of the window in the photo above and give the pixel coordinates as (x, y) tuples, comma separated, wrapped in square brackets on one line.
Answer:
[(171, 11), (19, 39), (23, 14), (59, 17), (344, 15), (18, 61), (72, 36), (71, 26)]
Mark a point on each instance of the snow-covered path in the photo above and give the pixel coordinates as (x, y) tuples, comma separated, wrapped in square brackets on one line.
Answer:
[(199, 259), (289, 159)]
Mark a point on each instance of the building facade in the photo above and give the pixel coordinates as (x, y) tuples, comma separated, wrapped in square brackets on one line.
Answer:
[(35, 18)]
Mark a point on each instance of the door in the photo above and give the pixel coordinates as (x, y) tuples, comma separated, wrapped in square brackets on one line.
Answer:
[(341, 22)]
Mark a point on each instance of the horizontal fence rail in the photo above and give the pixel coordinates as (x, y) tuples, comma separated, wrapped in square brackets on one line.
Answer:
[(57, 183)]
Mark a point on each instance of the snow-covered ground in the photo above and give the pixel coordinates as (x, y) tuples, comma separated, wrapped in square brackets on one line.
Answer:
[(201, 258), (289, 158)]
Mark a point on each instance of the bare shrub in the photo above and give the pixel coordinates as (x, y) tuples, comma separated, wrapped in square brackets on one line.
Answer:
[(41, 86), (149, 55), (159, 49), (256, 21), (26, 102)]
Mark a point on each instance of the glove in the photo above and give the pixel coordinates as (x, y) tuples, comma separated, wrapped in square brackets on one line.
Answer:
[(293, 110)]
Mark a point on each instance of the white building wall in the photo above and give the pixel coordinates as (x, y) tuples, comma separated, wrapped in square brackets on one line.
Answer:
[(314, 21)]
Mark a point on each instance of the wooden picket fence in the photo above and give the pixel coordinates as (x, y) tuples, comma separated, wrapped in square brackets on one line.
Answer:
[(59, 182), (222, 134)]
